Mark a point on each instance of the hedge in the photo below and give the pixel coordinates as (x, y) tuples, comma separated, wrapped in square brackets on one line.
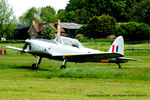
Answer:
[(13, 41), (133, 31)]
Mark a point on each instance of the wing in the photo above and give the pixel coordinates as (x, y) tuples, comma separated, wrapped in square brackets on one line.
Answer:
[(18, 49), (90, 57)]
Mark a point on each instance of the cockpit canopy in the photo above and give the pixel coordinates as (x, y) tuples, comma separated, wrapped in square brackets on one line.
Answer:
[(68, 41)]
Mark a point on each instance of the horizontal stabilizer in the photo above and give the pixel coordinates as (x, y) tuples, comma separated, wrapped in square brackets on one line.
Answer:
[(129, 59)]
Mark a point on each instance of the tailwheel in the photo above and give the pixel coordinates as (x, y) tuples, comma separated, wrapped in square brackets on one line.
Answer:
[(119, 66), (63, 67)]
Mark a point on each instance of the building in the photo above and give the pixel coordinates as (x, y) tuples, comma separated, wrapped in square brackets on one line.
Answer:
[(20, 32), (71, 28), (63, 29)]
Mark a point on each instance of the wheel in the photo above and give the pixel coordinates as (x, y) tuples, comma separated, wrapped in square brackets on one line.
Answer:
[(34, 67), (63, 67), (119, 66)]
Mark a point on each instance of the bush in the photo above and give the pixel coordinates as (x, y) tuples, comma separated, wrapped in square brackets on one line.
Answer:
[(80, 37), (133, 31), (98, 27), (82, 30), (48, 32)]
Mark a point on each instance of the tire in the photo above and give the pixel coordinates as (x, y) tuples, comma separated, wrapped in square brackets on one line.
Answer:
[(63, 67), (34, 67)]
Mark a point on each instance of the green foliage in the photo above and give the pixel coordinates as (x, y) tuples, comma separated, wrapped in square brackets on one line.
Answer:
[(79, 9), (79, 37), (62, 15), (13, 41), (85, 9), (99, 27), (45, 15), (48, 32), (27, 17), (7, 21), (133, 31), (141, 11), (72, 16), (48, 14), (82, 30)]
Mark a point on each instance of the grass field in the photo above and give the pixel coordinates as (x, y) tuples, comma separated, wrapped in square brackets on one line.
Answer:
[(83, 81)]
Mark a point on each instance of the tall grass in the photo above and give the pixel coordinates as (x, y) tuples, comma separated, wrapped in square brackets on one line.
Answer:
[(134, 73), (132, 70)]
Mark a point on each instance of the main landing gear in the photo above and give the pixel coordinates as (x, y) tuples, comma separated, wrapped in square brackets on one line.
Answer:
[(63, 66), (35, 66)]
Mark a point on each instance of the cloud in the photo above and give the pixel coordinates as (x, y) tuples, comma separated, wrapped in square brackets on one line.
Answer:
[(20, 6)]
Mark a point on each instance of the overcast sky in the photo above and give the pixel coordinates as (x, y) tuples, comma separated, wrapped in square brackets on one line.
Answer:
[(20, 6)]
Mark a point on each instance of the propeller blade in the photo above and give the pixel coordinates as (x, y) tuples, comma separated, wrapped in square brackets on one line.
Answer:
[(25, 46)]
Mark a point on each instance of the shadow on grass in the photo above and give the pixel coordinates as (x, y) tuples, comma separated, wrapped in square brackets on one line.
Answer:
[(23, 67), (123, 68), (30, 68)]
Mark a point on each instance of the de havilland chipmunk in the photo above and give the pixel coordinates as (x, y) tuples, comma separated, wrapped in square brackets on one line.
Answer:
[(71, 50)]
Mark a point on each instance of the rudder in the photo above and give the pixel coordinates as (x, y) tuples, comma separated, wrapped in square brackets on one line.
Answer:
[(117, 46)]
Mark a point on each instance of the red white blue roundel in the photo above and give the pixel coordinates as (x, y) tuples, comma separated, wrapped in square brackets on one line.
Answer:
[(115, 48)]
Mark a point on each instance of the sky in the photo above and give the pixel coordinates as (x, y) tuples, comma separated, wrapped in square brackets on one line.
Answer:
[(21, 6)]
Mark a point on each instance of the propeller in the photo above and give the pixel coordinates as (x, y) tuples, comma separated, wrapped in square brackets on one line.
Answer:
[(27, 42), (25, 46)]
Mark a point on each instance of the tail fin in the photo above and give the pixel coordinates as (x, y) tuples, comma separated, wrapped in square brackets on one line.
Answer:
[(117, 46)]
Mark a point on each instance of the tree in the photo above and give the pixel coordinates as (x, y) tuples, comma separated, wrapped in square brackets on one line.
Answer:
[(62, 15), (48, 32), (27, 17), (48, 14), (141, 12), (45, 14), (76, 11), (119, 9), (100, 27), (7, 21), (83, 30), (76, 4)]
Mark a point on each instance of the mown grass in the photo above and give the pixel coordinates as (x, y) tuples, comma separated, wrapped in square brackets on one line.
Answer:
[(73, 89), (79, 81)]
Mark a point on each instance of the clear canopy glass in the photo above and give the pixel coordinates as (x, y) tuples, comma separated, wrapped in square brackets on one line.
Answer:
[(68, 41)]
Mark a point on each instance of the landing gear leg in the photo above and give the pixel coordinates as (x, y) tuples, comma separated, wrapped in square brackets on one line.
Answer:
[(35, 66), (119, 66), (63, 66)]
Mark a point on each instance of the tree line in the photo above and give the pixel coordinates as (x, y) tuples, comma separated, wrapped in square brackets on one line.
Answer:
[(8, 21), (85, 12), (80, 11)]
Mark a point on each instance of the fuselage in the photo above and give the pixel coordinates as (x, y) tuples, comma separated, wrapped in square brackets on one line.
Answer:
[(48, 48)]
